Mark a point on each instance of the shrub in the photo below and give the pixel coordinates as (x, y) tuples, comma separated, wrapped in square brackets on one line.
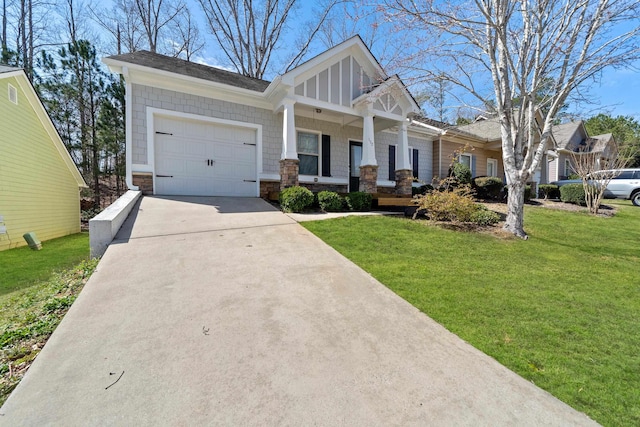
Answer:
[(423, 189), (527, 192), (484, 216), (573, 176), (488, 187), (549, 191), (461, 172), (330, 201), (359, 201), (572, 193), (295, 199), (456, 205)]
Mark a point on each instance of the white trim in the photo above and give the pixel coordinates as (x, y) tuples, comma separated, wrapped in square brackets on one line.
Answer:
[(470, 156), (385, 183), (128, 150), (136, 168), (152, 112), (312, 179), (319, 155), (495, 166), (148, 76)]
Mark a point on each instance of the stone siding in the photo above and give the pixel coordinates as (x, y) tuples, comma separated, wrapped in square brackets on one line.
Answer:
[(144, 182)]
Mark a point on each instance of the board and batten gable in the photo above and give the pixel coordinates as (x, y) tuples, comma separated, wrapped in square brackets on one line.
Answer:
[(38, 191)]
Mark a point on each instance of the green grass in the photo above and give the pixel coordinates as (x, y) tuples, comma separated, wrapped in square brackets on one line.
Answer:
[(561, 309), (23, 267), (29, 316)]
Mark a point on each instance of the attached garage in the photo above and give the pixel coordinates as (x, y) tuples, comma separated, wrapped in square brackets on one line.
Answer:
[(204, 158)]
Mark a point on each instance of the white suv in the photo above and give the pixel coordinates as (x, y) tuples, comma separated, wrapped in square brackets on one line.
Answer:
[(625, 185)]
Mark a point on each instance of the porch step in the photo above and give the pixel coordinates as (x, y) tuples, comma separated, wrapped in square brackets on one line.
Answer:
[(396, 201)]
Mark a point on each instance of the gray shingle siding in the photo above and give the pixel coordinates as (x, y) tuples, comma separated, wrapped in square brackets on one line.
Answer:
[(146, 96)]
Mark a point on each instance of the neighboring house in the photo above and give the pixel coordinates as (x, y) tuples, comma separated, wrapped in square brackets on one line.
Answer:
[(336, 122), (39, 183), (477, 145), (571, 138)]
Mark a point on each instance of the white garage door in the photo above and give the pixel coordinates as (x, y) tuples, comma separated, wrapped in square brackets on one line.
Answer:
[(195, 158)]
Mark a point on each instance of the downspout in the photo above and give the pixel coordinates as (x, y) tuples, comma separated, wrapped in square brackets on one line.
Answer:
[(128, 97)]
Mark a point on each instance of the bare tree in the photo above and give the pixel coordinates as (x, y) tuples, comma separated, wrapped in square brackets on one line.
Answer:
[(502, 50), (187, 41), (123, 23), (597, 168), (154, 16), (248, 33)]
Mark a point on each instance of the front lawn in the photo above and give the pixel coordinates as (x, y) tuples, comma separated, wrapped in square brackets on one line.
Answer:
[(23, 267), (561, 309)]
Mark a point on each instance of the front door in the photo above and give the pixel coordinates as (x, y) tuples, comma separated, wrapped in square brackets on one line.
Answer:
[(355, 158)]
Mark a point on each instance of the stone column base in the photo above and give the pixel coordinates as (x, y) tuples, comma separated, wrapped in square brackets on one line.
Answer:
[(369, 179), (289, 173), (144, 182), (404, 181)]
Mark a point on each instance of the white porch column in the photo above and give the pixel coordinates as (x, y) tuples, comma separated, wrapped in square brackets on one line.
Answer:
[(403, 147), (368, 143), (289, 143)]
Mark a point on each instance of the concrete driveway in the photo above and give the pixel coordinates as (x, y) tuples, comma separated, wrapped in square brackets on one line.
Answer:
[(220, 311)]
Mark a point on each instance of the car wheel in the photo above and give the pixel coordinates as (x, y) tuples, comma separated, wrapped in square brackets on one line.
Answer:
[(635, 198)]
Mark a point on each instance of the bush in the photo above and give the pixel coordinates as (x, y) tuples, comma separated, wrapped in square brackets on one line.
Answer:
[(423, 189), (461, 172), (484, 216), (295, 199), (330, 201), (359, 201), (527, 192), (572, 193), (488, 187), (549, 191), (456, 205)]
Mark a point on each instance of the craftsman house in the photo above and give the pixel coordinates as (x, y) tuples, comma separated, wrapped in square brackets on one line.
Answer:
[(336, 122)]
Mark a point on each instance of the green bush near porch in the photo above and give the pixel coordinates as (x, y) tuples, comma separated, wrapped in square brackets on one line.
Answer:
[(330, 201), (359, 201), (296, 199)]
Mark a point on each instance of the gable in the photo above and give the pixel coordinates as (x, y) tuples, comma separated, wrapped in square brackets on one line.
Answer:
[(339, 82), (30, 108)]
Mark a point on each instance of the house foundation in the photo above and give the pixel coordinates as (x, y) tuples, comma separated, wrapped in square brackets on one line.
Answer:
[(144, 182), (404, 181), (369, 179), (289, 173)]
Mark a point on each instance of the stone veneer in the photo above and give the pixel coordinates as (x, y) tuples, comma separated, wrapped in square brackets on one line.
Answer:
[(404, 181), (267, 187), (368, 179), (289, 173), (144, 182)]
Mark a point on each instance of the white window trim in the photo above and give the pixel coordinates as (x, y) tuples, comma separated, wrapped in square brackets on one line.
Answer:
[(12, 93), (495, 166), (466, 155), (319, 155)]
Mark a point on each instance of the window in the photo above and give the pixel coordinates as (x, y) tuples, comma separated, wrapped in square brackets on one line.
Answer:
[(492, 167), (13, 94), (465, 159), (393, 161), (567, 167), (308, 152)]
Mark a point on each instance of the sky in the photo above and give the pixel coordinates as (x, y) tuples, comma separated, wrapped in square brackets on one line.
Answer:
[(615, 92)]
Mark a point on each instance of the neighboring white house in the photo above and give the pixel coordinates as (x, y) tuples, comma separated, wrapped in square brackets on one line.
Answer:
[(335, 122)]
